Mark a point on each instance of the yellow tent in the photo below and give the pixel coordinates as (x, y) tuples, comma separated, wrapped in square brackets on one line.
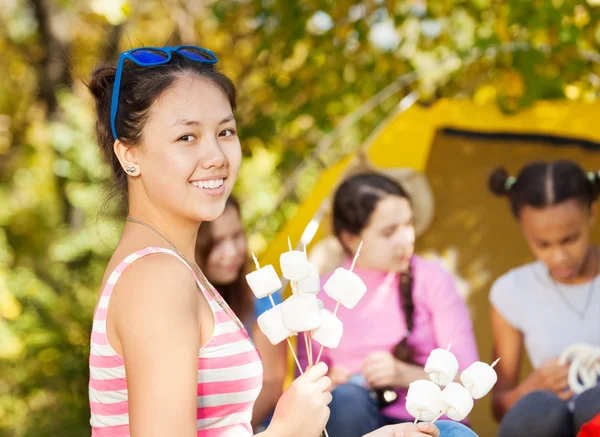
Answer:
[(456, 143)]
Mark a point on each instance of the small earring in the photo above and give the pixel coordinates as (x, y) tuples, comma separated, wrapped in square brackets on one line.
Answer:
[(130, 169)]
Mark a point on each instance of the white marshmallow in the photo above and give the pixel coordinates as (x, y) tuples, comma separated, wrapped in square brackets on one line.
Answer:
[(330, 332), (456, 401), (423, 400), (264, 281), (271, 324), (479, 378), (311, 284), (345, 287), (301, 313), (294, 265), (441, 366)]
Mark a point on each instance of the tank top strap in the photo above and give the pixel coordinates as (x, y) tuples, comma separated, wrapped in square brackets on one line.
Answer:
[(130, 259)]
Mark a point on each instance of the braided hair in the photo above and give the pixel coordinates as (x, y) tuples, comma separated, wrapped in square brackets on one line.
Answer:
[(354, 202)]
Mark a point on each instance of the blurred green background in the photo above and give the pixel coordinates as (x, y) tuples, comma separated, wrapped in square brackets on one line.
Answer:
[(301, 67)]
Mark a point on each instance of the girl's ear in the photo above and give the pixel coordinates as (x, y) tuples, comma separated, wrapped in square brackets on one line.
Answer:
[(350, 241)]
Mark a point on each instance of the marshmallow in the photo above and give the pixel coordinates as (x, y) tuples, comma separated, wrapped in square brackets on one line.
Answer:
[(456, 401), (271, 324), (294, 265), (263, 281), (479, 378), (330, 332), (301, 312), (441, 366), (423, 400), (311, 284), (345, 287)]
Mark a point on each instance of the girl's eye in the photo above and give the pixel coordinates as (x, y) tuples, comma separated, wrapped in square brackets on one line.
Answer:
[(227, 133), (186, 138)]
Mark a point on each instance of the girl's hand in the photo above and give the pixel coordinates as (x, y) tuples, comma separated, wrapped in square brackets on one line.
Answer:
[(302, 410), (381, 369), (339, 376)]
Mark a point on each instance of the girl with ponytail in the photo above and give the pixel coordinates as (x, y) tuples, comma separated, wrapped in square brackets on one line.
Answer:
[(411, 307), (549, 304)]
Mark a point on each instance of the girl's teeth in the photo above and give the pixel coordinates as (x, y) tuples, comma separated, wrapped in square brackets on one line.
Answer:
[(216, 183)]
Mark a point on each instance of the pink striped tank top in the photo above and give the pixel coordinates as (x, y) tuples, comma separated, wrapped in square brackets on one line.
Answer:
[(229, 372)]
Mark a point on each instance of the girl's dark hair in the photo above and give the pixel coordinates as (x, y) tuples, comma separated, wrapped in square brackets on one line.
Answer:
[(540, 184), (140, 87), (354, 202), (237, 294)]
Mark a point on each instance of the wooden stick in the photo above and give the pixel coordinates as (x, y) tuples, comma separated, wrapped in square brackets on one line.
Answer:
[(319, 356), (255, 261), (289, 342), (336, 308), (495, 362), (295, 357), (290, 244), (310, 346), (439, 415), (307, 349), (356, 255)]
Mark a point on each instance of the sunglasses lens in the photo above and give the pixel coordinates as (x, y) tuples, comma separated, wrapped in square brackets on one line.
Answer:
[(197, 54), (149, 56)]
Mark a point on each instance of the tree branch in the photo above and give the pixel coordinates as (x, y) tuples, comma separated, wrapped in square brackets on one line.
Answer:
[(55, 64)]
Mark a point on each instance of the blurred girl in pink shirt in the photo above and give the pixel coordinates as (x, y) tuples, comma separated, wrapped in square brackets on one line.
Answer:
[(411, 307)]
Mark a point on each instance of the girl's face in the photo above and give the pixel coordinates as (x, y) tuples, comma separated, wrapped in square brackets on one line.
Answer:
[(388, 237), (559, 236), (229, 252), (190, 152)]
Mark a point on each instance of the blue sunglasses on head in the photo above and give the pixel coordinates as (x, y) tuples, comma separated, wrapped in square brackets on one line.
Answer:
[(151, 57)]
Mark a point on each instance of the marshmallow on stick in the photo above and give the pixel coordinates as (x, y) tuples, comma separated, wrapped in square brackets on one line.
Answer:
[(263, 281), (330, 332), (423, 400), (441, 366), (456, 402), (294, 265), (479, 378), (347, 289), (301, 312), (271, 323), (311, 284)]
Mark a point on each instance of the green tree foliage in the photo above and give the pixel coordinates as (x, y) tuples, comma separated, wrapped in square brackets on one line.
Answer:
[(301, 67)]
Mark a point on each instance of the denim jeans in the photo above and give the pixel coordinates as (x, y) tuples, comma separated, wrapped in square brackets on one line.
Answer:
[(354, 413), (543, 414)]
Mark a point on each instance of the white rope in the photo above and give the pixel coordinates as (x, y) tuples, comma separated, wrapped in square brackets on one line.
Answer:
[(584, 367)]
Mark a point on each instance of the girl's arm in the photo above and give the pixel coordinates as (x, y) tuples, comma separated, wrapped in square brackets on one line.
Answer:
[(452, 321), (508, 343), (155, 308)]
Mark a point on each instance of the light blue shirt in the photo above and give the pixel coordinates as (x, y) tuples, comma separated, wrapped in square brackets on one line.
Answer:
[(532, 302), (260, 306)]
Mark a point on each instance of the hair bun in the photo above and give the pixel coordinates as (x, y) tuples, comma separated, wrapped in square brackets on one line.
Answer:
[(498, 181), (102, 82)]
